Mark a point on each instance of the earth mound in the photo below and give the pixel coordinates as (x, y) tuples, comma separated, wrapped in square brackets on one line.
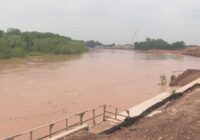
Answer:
[(186, 77), (193, 51)]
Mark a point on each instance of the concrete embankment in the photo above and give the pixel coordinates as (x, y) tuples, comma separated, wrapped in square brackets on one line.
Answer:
[(143, 109)]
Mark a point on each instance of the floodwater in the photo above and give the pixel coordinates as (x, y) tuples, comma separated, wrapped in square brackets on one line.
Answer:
[(35, 91)]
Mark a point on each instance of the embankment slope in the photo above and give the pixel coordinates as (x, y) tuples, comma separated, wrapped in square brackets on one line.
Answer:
[(186, 77), (179, 120)]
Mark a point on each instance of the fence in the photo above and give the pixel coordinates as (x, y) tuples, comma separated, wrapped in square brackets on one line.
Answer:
[(92, 117)]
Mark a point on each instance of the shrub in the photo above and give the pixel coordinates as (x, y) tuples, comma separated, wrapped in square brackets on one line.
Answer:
[(173, 77)]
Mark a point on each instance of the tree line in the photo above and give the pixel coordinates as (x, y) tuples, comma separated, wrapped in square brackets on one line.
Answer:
[(14, 43), (94, 44), (158, 44)]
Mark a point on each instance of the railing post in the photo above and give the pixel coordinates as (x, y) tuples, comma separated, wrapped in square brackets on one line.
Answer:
[(50, 130), (81, 117), (93, 112), (115, 113), (66, 123), (104, 112), (128, 112), (31, 135)]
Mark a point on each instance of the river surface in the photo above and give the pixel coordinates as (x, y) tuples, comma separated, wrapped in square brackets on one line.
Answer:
[(37, 90)]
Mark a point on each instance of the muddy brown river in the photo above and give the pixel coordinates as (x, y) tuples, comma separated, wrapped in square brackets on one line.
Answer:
[(35, 91)]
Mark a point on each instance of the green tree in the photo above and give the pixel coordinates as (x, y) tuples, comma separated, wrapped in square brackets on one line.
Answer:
[(158, 44), (15, 43), (93, 44), (1, 33), (178, 45), (13, 31)]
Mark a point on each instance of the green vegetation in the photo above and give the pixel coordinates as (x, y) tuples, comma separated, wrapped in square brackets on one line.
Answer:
[(15, 43), (163, 80), (173, 77), (173, 93), (93, 44), (158, 44)]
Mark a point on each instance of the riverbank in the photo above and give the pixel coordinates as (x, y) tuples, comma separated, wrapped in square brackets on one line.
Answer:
[(186, 77), (168, 124), (192, 51)]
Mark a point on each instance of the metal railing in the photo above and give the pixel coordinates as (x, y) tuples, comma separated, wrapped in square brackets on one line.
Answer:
[(92, 117)]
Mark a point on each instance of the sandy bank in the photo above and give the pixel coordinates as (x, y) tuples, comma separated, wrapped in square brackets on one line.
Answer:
[(192, 51), (186, 77)]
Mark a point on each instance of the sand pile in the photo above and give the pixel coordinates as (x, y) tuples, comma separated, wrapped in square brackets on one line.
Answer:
[(193, 51)]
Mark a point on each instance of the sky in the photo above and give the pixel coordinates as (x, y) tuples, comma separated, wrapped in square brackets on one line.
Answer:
[(108, 21)]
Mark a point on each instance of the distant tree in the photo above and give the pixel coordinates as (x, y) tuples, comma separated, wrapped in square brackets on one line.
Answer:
[(1, 33), (158, 44), (178, 45), (148, 39), (13, 31), (109, 45), (93, 44), (15, 43)]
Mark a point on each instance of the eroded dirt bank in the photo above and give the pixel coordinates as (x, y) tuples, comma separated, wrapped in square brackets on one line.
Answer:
[(192, 51), (180, 120), (186, 77)]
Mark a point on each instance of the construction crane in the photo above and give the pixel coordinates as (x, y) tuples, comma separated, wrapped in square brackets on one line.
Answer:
[(134, 36)]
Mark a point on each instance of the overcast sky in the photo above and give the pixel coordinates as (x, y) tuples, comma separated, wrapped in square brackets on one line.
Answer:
[(106, 20)]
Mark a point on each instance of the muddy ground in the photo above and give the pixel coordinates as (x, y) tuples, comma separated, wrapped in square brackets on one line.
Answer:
[(179, 120)]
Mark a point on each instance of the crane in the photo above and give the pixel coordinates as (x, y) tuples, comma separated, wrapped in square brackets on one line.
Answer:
[(134, 36)]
